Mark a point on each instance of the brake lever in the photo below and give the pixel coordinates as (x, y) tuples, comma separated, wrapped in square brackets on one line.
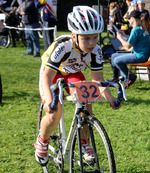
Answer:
[(60, 85)]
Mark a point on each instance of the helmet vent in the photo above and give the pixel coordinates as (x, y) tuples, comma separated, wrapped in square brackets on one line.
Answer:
[(72, 24), (90, 19), (82, 27), (96, 24)]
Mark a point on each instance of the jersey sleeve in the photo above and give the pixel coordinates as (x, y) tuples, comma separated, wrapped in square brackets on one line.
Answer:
[(96, 62), (57, 53), (56, 58)]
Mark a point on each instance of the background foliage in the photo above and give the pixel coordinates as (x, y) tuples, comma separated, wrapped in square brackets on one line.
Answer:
[(65, 6)]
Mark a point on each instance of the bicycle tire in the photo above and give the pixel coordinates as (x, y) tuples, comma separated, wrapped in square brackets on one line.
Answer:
[(5, 40), (106, 161), (54, 142)]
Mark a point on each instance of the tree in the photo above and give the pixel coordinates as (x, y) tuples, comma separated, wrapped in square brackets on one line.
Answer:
[(66, 6)]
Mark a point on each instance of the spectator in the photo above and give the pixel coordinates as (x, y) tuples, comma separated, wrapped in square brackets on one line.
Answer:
[(141, 6), (125, 21), (123, 6), (145, 22), (31, 20), (19, 3), (134, 5), (115, 16), (12, 20), (111, 16), (49, 20), (140, 40), (118, 14)]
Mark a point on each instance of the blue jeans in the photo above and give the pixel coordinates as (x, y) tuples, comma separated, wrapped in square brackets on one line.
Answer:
[(32, 38), (120, 60), (48, 35)]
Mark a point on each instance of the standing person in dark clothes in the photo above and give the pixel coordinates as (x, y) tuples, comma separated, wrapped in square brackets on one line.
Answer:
[(31, 20), (12, 20), (49, 19)]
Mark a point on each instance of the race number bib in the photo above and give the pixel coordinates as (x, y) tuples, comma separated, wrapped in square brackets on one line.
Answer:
[(87, 91)]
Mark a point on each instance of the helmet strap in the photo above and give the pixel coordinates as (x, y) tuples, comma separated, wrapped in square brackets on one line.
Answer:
[(78, 43)]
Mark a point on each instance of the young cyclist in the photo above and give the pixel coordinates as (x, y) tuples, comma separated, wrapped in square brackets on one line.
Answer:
[(66, 57)]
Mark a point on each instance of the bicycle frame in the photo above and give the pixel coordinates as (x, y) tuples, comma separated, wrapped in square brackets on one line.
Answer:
[(66, 142)]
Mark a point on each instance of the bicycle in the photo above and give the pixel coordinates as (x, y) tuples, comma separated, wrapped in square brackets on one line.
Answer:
[(68, 150), (5, 35)]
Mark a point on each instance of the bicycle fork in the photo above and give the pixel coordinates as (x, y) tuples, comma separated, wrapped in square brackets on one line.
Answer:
[(79, 140), (79, 126)]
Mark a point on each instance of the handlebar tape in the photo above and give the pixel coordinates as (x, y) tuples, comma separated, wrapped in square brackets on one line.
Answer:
[(119, 99), (55, 100), (55, 90), (120, 93)]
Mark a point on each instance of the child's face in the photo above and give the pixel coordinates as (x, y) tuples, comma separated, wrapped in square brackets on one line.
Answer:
[(141, 6), (87, 42)]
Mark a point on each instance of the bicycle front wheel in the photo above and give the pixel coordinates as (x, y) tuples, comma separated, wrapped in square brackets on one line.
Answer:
[(104, 158)]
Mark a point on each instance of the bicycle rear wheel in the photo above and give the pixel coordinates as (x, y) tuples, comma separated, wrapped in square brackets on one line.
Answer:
[(99, 141), (55, 163), (5, 40)]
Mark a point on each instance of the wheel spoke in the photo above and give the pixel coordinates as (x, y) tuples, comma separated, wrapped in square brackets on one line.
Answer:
[(100, 143)]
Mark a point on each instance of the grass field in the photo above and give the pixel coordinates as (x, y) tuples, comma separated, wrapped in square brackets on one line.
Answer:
[(128, 127)]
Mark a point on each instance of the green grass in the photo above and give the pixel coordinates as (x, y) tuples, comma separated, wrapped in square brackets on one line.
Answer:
[(128, 127)]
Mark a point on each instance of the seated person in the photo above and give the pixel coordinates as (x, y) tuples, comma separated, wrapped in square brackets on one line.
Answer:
[(139, 41)]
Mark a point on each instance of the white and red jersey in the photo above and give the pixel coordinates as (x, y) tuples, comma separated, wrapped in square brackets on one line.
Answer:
[(64, 58)]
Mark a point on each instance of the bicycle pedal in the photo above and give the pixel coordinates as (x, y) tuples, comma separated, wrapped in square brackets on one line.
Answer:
[(54, 137)]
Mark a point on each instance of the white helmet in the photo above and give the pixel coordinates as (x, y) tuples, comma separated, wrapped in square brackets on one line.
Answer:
[(140, 1), (85, 20)]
